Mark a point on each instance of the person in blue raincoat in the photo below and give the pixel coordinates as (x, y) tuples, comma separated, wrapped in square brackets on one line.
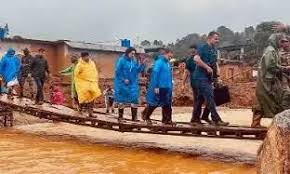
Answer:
[(160, 89), (126, 83), (9, 69)]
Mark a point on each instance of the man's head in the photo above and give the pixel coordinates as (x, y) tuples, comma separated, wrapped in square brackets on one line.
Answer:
[(74, 59), (168, 53), (85, 56), (277, 40), (26, 52), (193, 50), (130, 52), (41, 52), (10, 52), (213, 38), (285, 45), (162, 51)]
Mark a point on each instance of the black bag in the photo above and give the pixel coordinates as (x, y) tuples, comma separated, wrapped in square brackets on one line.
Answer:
[(221, 95)]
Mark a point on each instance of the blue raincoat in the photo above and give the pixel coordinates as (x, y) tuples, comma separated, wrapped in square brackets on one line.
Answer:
[(127, 68), (10, 66), (161, 77)]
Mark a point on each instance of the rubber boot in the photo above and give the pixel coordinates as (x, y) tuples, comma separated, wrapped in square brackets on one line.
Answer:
[(134, 113), (121, 113), (256, 122), (167, 115)]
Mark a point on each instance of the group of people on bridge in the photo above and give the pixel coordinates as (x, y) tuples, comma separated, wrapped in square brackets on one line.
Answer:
[(272, 92)]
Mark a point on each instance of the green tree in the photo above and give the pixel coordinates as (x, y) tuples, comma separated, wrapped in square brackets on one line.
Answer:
[(157, 43), (263, 32), (226, 35), (145, 43)]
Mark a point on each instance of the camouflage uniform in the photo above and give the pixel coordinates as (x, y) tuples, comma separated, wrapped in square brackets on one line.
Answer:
[(25, 74), (272, 96), (285, 61)]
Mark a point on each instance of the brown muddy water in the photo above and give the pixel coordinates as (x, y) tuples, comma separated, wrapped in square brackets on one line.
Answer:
[(23, 153), (59, 148)]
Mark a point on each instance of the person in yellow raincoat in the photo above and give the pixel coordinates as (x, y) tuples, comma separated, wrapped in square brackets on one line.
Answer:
[(86, 82)]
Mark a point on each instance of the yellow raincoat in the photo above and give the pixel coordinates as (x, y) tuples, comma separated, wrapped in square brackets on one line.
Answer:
[(86, 81)]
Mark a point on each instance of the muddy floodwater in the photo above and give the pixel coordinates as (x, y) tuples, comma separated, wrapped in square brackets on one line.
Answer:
[(56, 148), (25, 153)]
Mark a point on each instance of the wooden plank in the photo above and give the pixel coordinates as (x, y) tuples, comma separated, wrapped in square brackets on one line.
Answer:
[(104, 121)]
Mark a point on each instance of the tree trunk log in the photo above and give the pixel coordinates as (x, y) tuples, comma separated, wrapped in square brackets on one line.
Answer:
[(274, 154)]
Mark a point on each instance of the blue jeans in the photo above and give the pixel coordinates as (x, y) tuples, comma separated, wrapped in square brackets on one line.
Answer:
[(165, 102), (197, 105), (39, 85), (205, 93)]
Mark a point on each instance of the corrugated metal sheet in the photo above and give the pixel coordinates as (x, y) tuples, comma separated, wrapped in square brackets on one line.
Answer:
[(100, 47)]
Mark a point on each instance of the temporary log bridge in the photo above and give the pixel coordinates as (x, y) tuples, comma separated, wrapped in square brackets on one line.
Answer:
[(110, 122)]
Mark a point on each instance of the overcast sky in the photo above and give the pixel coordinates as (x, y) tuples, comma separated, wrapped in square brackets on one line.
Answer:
[(107, 20)]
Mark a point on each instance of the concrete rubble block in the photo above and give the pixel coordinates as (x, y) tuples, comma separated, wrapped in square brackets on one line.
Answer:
[(274, 154)]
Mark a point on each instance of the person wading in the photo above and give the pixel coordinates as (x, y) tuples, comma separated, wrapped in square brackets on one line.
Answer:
[(126, 83)]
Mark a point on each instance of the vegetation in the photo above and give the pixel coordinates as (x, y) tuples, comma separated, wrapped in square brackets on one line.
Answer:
[(255, 37)]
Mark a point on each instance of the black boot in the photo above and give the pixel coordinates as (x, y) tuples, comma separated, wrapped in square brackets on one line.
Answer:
[(167, 115), (147, 113), (121, 113), (134, 114)]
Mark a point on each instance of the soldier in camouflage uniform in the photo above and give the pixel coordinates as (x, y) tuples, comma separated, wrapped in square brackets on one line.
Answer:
[(25, 72), (272, 95)]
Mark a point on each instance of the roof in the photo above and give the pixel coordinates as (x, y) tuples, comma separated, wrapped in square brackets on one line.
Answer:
[(102, 47), (77, 45), (24, 40)]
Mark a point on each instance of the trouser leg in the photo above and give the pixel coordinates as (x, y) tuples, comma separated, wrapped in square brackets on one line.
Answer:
[(166, 102), (41, 90), (38, 89), (197, 104), (21, 85), (107, 105), (205, 114), (205, 89)]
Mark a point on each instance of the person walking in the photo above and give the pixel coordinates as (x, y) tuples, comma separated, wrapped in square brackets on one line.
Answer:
[(160, 89), (40, 73), (9, 70), (126, 83), (273, 96), (206, 71), (25, 71), (86, 79), (69, 71)]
